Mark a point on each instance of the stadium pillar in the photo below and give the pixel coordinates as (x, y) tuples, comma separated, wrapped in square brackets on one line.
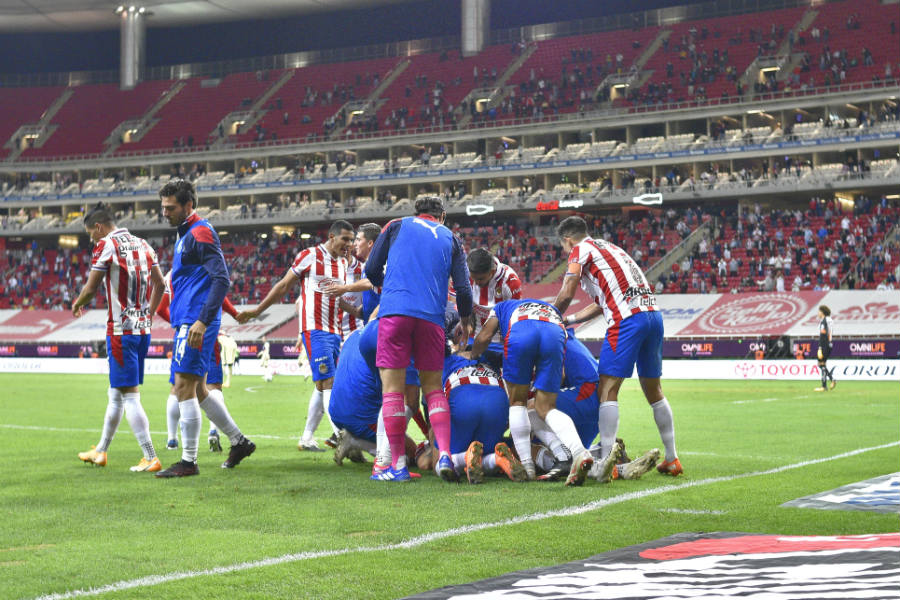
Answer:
[(132, 46), (476, 25)]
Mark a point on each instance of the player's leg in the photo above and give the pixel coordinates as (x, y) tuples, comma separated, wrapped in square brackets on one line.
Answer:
[(519, 359), (392, 357), (428, 343), (131, 396), (114, 407), (314, 410), (213, 404), (649, 370), (332, 343), (191, 366)]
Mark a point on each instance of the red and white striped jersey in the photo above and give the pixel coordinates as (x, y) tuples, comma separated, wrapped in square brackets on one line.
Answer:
[(612, 279), (355, 272), (504, 285), (126, 259), (479, 374), (317, 268)]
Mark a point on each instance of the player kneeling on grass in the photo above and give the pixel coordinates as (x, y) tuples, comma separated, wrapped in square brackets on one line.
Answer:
[(534, 342), (126, 263), (356, 400)]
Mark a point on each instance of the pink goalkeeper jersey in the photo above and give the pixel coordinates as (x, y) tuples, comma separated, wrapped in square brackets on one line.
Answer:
[(612, 279), (126, 259), (317, 269)]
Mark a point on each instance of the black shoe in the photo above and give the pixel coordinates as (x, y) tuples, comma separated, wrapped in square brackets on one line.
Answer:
[(332, 442), (180, 469), (239, 452), (559, 470)]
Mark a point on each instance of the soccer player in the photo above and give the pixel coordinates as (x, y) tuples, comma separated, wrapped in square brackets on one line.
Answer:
[(620, 292), (210, 390), (134, 288), (356, 396), (369, 295), (826, 330), (320, 317), (229, 354), (199, 284), (413, 260), (534, 342), (492, 282), (263, 356)]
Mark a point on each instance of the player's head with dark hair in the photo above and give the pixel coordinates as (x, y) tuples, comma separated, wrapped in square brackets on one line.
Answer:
[(182, 190), (824, 310), (100, 213), (481, 266), (178, 199), (572, 227), (338, 226), (430, 205), (340, 237)]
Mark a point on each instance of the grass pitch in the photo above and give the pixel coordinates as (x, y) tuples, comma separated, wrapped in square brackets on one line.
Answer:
[(330, 532)]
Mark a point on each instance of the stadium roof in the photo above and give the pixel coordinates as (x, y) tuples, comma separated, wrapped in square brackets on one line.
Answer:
[(85, 15)]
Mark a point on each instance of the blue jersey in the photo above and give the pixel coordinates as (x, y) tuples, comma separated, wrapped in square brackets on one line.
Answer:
[(356, 395), (579, 365), (413, 260), (479, 407), (199, 274), (370, 300), (510, 312)]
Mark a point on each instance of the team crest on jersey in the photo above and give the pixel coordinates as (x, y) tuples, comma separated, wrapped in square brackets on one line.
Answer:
[(323, 368)]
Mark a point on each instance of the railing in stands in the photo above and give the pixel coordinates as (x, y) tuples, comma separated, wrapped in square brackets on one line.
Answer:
[(202, 153)]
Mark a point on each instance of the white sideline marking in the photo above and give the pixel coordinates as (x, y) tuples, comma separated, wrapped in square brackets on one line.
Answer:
[(152, 580), (689, 511), (77, 430), (751, 401)]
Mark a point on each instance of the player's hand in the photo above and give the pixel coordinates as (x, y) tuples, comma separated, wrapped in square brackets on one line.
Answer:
[(195, 334), (466, 354), (819, 354), (335, 289), (464, 331), (244, 316), (77, 311), (299, 345)]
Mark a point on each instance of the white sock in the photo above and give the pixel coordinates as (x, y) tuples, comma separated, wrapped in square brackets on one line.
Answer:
[(459, 462), (217, 413), (313, 415), (191, 419), (489, 463), (173, 413), (564, 428), (662, 414), (544, 458), (542, 431), (111, 420), (137, 418), (383, 446), (326, 400), (608, 422), (520, 430), (361, 444)]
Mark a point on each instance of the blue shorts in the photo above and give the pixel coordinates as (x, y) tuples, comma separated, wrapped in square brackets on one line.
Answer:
[(363, 431), (215, 375), (322, 350), (536, 347), (637, 339), (583, 406), (126, 354), (194, 361), (477, 412)]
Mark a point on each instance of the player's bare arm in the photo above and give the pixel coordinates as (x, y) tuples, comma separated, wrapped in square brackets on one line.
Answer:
[(159, 289), (361, 285), (484, 338), (87, 292), (195, 334), (277, 292), (569, 287), (585, 314), (350, 309)]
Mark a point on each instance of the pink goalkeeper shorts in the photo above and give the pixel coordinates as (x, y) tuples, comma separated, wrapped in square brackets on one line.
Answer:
[(401, 338)]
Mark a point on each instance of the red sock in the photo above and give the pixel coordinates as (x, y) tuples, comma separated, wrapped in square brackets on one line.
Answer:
[(439, 415), (393, 411)]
